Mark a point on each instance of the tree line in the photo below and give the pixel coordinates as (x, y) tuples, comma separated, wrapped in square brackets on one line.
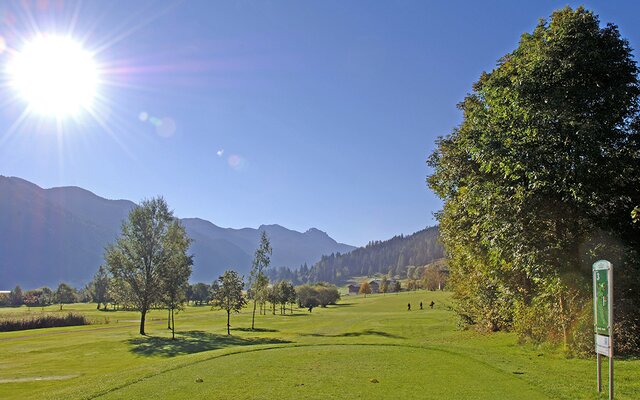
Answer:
[(148, 267), (45, 296), (540, 180)]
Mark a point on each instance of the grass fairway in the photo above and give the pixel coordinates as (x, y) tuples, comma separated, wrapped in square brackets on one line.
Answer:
[(363, 348)]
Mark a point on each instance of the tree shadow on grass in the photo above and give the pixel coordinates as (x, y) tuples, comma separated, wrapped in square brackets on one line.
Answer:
[(366, 332), (192, 342), (254, 330)]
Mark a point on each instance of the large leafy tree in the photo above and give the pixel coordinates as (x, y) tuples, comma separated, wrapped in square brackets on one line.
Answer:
[(142, 253), (257, 280), (540, 178), (227, 294)]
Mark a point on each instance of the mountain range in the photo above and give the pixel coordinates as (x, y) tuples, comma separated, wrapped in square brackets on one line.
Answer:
[(48, 236)]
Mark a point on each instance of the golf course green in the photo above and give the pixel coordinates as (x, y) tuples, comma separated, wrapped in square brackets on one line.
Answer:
[(369, 348)]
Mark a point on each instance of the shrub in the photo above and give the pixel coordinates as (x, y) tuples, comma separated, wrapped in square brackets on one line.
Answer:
[(37, 321)]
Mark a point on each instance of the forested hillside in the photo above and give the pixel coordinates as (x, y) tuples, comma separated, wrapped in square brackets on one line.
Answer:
[(390, 256)]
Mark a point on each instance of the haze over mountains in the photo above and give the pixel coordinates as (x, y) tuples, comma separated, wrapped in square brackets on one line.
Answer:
[(52, 235)]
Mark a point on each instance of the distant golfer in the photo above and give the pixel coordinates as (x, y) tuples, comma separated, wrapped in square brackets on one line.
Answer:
[(408, 306), (432, 304), (421, 305)]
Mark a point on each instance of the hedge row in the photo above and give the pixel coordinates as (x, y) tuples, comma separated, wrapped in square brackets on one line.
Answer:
[(41, 321)]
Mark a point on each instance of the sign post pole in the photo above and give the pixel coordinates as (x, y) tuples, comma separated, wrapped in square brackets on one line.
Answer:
[(610, 273), (599, 365), (603, 318)]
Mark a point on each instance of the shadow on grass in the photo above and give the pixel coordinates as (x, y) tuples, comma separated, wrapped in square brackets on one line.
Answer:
[(192, 342), (366, 332), (254, 330)]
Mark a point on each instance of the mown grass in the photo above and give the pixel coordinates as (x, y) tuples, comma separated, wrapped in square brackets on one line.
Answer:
[(361, 348)]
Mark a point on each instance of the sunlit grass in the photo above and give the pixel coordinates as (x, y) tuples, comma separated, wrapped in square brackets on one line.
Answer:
[(337, 352)]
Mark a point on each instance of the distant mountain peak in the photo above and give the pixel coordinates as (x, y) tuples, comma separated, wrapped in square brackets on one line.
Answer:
[(265, 227), (315, 231)]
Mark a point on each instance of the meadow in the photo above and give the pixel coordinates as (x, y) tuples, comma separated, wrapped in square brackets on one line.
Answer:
[(369, 348)]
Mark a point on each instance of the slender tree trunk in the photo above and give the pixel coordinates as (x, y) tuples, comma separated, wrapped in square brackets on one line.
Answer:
[(228, 324), (168, 318), (143, 315), (563, 324), (253, 317), (173, 325)]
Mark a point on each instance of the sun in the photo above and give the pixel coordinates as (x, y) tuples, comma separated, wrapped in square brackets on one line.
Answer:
[(54, 75)]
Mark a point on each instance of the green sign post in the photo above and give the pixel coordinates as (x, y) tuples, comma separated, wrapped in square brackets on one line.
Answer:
[(603, 317)]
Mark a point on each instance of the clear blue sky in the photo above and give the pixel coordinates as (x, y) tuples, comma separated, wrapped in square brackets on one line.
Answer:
[(325, 110)]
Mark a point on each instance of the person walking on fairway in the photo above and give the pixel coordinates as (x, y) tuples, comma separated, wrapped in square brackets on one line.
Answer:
[(408, 306), (421, 305), (431, 305)]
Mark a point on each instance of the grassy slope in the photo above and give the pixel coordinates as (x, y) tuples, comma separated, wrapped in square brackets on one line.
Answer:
[(330, 353)]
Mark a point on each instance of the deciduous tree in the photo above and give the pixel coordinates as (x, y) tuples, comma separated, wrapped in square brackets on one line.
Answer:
[(65, 294), (141, 254), (100, 287), (16, 298), (365, 288), (175, 272), (540, 178), (261, 262), (227, 294)]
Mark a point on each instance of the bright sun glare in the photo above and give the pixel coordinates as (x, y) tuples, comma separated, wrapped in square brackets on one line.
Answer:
[(54, 75)]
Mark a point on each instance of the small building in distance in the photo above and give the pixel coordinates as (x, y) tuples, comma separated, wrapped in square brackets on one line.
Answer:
[(375, 286), (354, 289)]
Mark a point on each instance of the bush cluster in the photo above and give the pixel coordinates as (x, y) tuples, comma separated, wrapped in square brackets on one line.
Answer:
[(38, 321)]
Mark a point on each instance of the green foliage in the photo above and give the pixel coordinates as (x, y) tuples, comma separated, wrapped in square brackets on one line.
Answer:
[(38, 297), (39, 321), (150, 245), (327, 294), (285, 293), (384, 285), (435, 276), (16, 298), (318, 350), (175, 271), (99, 287), (540, 178), (320, 294), (258, 280), (65, 294), (200, 293), (420, 248), (227, 294)]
